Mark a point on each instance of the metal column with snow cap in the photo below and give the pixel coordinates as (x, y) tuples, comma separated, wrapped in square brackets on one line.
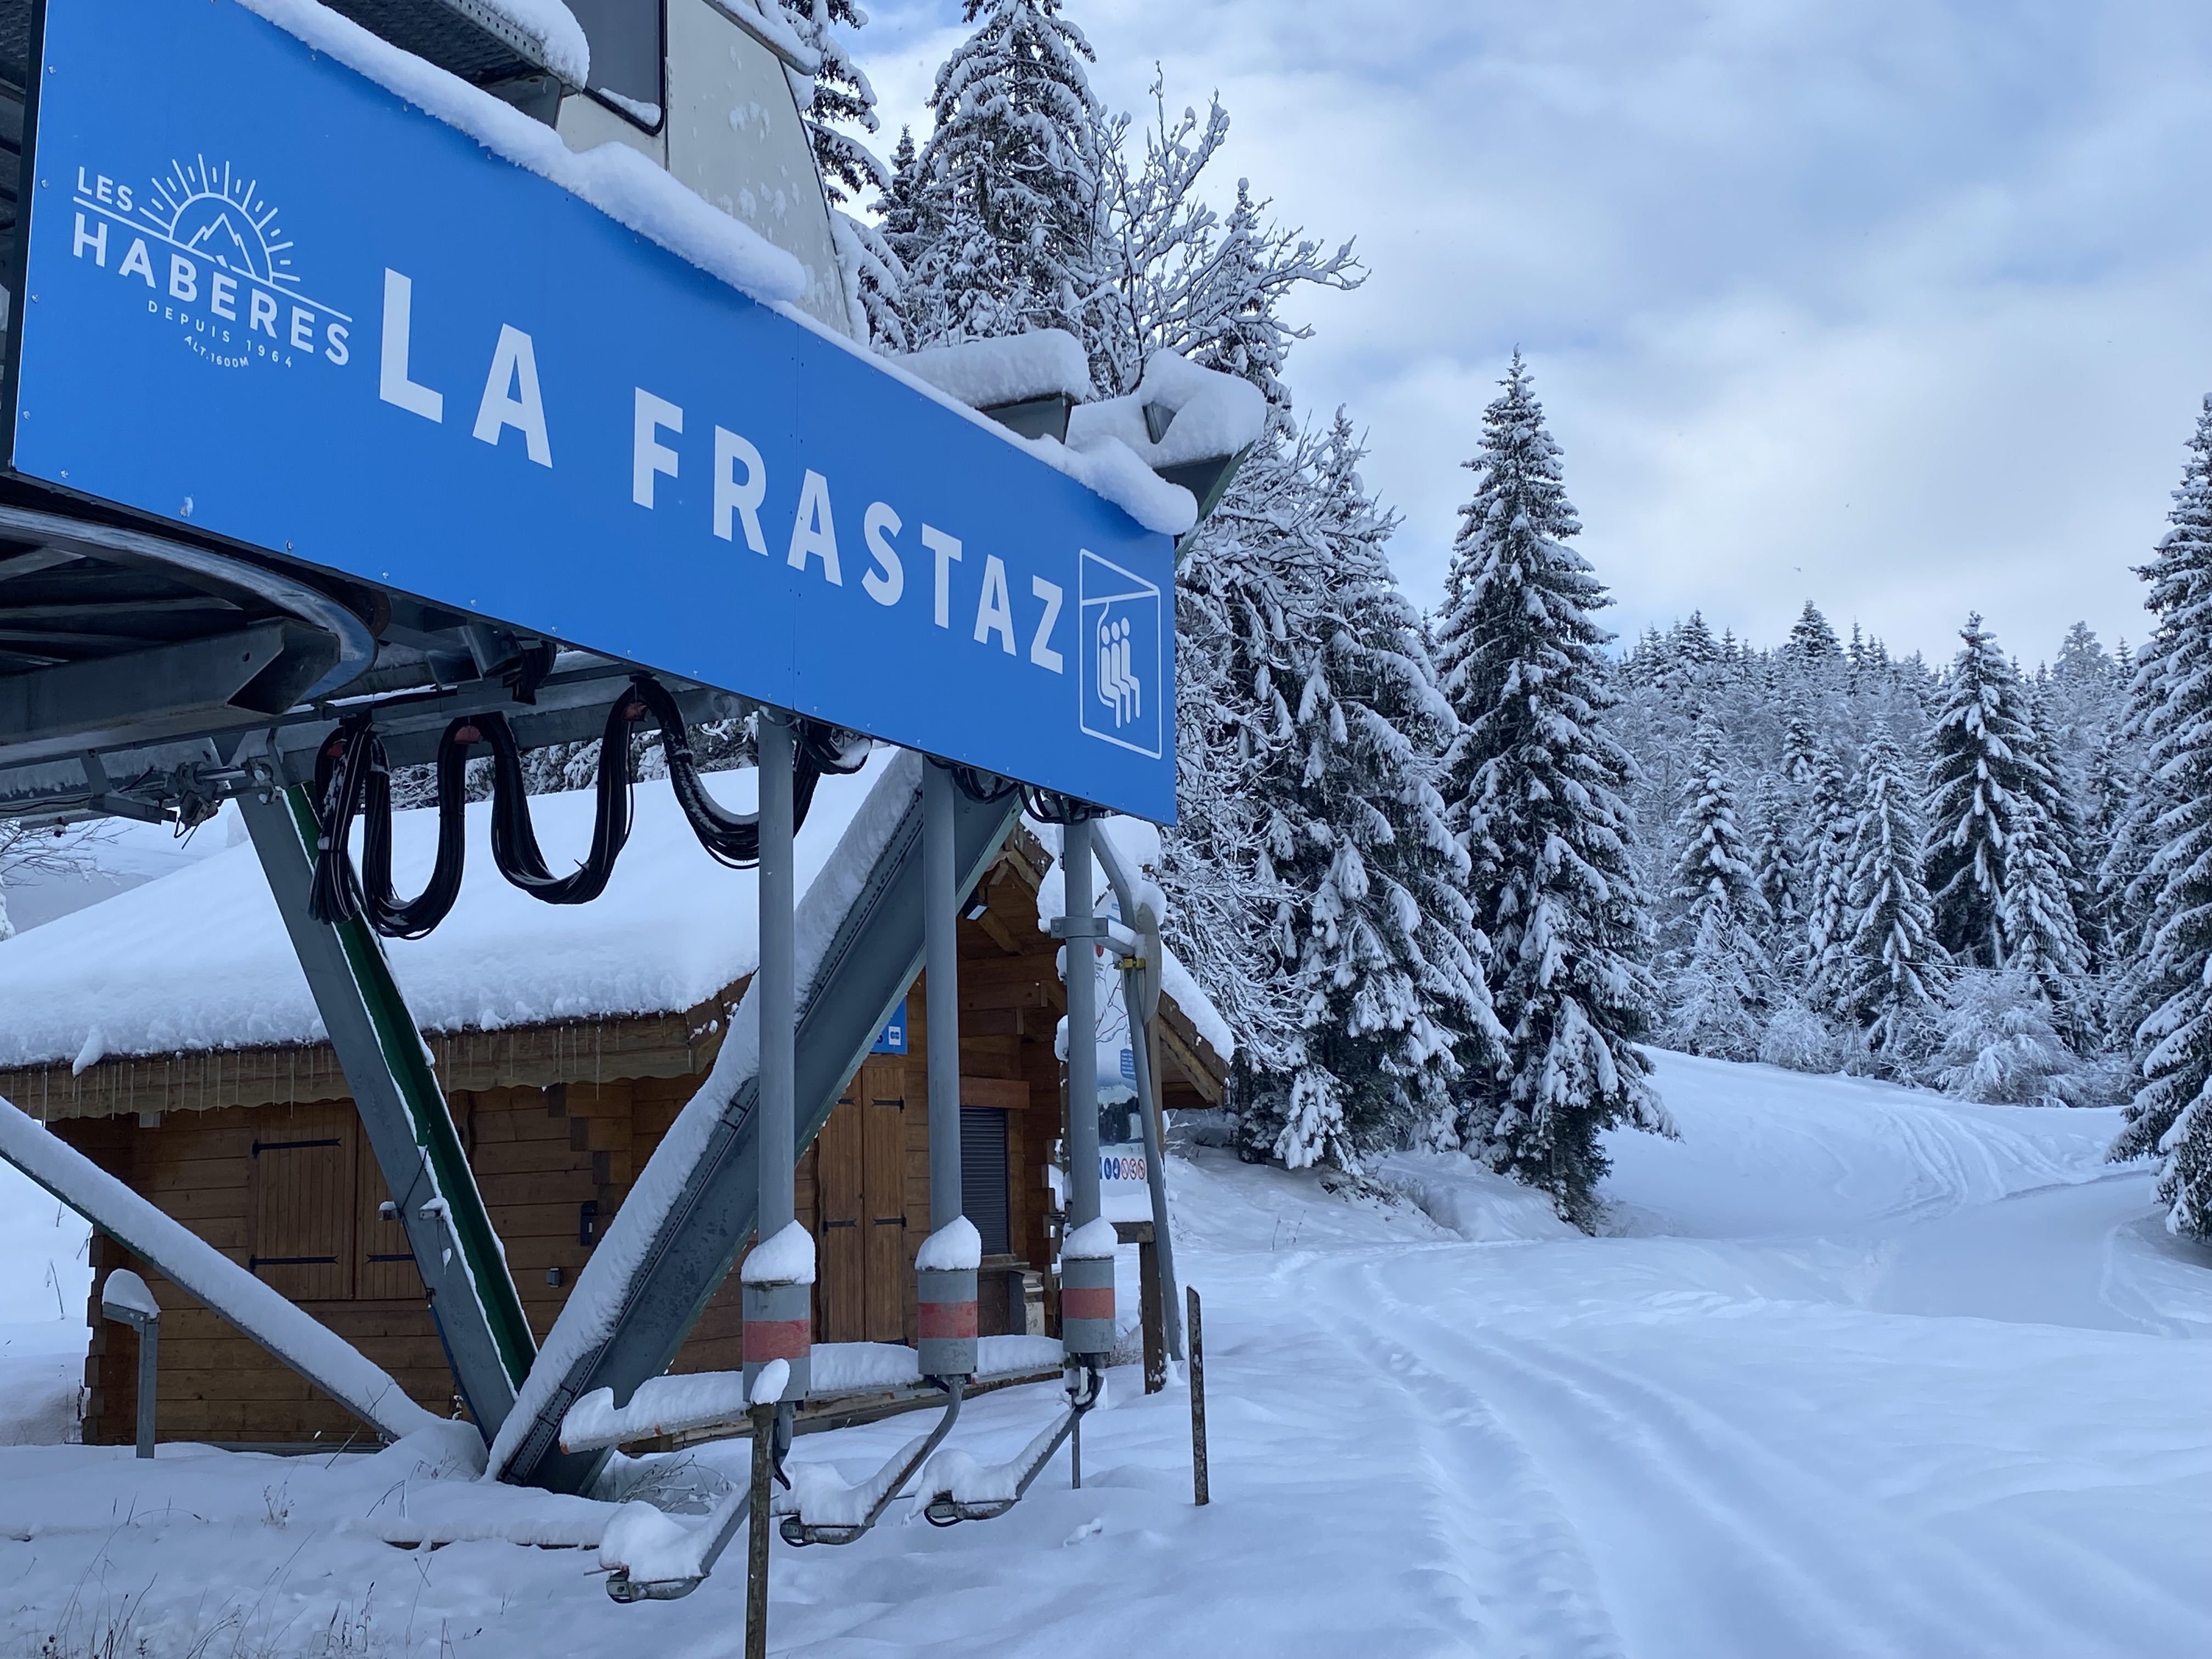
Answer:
[(779, 1274), (1087, 1275), (945, 1269)]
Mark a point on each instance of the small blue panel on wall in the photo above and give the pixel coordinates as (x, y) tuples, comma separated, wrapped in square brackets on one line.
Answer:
[(266, 297), (891, 1040)]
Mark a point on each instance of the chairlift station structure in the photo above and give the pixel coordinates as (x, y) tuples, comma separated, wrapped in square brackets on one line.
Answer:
[(384, 382)]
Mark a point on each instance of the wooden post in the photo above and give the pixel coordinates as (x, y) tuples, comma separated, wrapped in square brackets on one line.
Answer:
[(756, 1531), (1194, 1332), (1148, 1306)]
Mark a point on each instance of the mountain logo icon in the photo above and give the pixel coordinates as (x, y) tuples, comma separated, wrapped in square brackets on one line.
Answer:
[(212, 211)]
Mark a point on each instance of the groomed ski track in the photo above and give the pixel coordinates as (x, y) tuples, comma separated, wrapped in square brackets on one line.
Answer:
[(1862, 1373)]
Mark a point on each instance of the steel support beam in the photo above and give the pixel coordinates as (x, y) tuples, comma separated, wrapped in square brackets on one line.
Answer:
[(231, 680), (867, 972), (471, 1295)]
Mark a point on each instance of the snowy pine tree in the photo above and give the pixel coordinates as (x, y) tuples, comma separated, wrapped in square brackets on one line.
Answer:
[(2171, 1115), (1720, 980), (841, 95), (1977, 785), (1893, 973), (1831, 819), (1006, 202), (1373, 924), (1535, 783)]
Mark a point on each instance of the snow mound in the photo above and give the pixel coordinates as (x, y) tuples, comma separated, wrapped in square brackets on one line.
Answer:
[(1768, 1153), (1479, 1204), (984, 373), (1211, 414)]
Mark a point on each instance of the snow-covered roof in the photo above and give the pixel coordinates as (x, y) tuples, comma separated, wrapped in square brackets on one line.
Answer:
[(199, 960)]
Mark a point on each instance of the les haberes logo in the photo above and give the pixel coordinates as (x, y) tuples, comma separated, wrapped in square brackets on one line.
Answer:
[(215, 266)]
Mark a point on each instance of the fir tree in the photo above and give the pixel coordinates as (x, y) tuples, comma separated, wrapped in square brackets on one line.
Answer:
[(1774, 864), (841, 95), (1720, 980), (1534, 782), (1006, 201), (2171, 1115), (1977, 787), (1374, 925), (1811, 642), (1893, 972), (1831, 820)]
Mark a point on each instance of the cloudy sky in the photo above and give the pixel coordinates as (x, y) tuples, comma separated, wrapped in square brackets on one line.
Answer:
[(1902, 305)]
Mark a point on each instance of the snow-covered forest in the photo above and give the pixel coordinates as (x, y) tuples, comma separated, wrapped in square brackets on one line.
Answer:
[(1443, 872)]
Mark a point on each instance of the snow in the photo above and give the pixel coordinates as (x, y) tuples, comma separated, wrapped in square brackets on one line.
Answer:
[(774, 1378), (126, 1293), (955, 1247), (672, 929), (1014, 368), (560, 42), (334, 1365), (1864, 1371), (836, 851), (650, 1546), (621, 182), (786, 1259), (45, 1283), (1095, 1240), (661, 1405), (1215, 414), (1107, 465)]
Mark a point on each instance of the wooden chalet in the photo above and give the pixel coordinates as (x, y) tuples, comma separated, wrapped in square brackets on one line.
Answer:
[(257, 1149)]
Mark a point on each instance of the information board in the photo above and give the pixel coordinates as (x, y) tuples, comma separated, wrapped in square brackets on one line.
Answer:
[(265, 296)]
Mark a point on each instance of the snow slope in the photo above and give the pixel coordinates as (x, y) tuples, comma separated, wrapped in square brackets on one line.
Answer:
[(1862, 1373)]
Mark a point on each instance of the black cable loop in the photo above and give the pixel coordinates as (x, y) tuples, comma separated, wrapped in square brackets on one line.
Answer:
[(353, 780), (1048, 806), (388, 914)]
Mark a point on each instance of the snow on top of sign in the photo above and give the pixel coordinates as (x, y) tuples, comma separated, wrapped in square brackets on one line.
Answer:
[(1214, 414), (1110, 468), (561, 43), (199, 959), (619, 181), (984, 373)]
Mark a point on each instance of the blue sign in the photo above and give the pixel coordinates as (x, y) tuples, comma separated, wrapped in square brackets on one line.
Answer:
[(892, 1039), (266, 297)]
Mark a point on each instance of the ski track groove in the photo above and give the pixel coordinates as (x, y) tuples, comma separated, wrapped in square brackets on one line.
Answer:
[(1529, 1550)]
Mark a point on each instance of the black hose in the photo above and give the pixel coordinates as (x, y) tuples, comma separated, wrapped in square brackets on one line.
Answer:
[(353, 780)]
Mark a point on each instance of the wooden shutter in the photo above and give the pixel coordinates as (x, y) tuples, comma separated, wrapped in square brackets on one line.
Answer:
[(304, 1199)]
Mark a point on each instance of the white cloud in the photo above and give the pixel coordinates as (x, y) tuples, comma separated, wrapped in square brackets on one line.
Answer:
[(1899, 305)]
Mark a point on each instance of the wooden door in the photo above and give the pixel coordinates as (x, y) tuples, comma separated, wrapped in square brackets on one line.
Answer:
[(841, 1189), (884, 1176), (385, 1265), (304, 1198)]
